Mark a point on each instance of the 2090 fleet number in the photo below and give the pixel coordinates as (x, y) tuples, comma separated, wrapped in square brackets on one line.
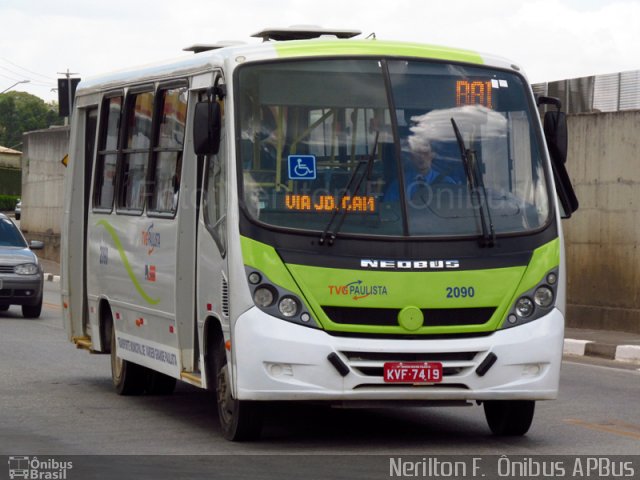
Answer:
[(460, 292)]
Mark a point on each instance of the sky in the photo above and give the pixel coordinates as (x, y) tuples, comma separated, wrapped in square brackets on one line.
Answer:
[(549, 39)]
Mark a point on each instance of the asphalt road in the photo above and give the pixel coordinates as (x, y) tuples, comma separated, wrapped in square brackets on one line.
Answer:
[(56, 400)]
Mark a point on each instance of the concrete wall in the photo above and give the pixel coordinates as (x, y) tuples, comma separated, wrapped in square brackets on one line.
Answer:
[(42, 186), (603, 236)]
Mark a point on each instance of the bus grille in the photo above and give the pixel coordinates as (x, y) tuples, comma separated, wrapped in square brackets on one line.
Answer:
[(388, 317), (225, 296), (371, 364)]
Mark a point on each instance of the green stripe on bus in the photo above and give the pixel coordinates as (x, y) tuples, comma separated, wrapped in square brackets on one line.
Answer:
[(125, 262), (497, 288), (375, 48)]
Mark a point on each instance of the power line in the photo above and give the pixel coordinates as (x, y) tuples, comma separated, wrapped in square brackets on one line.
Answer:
[(11, 78), (14, 72), (33, 81), (26, 69), (38, 84)]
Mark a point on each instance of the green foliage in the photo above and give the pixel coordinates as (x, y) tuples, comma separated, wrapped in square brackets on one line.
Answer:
[(22, 112), (8, 202)]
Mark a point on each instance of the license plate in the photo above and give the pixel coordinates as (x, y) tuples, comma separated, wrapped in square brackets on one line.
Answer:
[(413, 372)]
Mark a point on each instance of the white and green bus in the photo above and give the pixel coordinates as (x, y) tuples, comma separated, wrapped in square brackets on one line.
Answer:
[(320, 218)]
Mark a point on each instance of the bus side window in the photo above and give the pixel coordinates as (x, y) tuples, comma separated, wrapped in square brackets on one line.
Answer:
[(215, 195), (166, 163), (138, 114), (103, 189)]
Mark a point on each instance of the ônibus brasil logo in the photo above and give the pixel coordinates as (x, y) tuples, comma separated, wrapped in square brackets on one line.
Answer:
[(38, 469), (357, 290)]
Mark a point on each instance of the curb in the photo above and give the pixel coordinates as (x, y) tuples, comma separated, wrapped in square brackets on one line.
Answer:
[(621, 353), (50, 277)]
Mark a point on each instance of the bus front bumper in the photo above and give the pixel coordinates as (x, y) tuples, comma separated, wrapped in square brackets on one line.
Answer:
[(278, 360)]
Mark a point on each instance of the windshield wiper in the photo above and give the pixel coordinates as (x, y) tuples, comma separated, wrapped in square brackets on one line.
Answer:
[(476, 185), (328, 235)]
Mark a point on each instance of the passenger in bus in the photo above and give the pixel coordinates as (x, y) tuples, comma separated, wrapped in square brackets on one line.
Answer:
[(176, 182)]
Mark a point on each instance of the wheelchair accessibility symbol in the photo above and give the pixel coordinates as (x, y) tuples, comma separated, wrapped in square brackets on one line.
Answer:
[(302, 167)]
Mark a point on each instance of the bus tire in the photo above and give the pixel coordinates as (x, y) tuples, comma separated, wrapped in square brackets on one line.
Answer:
[(509, 417), (240, 420), (128, 378), (159, 383)]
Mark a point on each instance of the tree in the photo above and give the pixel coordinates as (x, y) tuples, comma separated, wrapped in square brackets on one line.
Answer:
[(22, 112)]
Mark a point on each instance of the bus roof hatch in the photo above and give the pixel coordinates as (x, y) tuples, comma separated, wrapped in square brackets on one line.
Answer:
[(302, 33)]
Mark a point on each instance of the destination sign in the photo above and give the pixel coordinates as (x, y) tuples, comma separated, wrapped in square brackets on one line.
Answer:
[(477, 92), (328, 203)]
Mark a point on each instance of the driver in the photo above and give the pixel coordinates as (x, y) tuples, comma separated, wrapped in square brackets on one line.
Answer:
[(419, 173)]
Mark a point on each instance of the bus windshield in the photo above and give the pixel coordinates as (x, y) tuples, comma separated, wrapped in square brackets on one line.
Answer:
[(372, 142)]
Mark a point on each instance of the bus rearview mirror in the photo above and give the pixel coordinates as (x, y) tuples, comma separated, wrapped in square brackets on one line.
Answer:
[(206, 128), (555, 132)]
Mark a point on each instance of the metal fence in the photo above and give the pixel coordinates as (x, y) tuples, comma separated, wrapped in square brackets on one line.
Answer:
[(598, 93)]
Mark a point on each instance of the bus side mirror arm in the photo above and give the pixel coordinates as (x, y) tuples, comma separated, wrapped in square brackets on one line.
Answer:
[(207, 126)]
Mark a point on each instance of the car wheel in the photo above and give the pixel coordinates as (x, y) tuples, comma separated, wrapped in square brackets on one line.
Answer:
[(17, 216), (509, 417), (32, 311), (239, 419)]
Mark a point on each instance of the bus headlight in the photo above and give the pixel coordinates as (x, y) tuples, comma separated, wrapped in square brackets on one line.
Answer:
[(524, 307), (288, 307), (543, 297), (263, 297), (254, 278), (278, 301), (534, 303)]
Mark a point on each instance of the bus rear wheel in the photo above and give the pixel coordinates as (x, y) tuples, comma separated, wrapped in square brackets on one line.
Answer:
[(128, 378), (240, 420), (509, 417)]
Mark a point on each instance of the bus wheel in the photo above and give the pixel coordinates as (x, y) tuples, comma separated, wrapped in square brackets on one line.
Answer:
[(239, 419), (159, 383), (128, 378), (509, 417)]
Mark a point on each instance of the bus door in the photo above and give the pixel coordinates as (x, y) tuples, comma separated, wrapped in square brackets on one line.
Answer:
[(90, 134), (212, 266)]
